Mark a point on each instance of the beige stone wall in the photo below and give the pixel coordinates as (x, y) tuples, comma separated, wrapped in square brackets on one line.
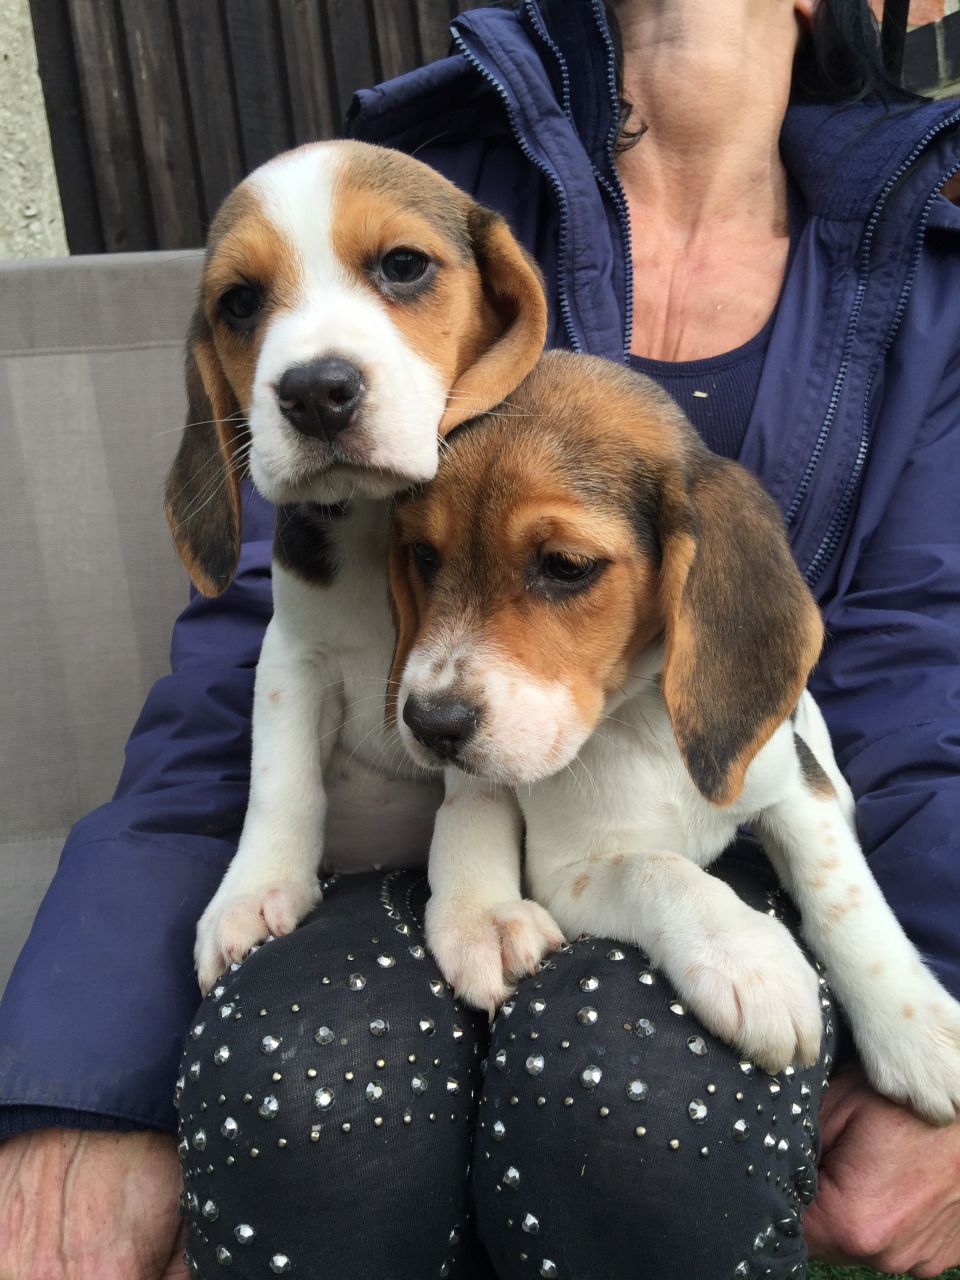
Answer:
[(31, 223)]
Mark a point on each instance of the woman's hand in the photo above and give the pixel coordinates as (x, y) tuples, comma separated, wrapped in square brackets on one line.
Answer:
[(76, 1205), (889, 1184)]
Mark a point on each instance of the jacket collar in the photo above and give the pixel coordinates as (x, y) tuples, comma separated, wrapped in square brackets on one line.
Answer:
[(845, 159)]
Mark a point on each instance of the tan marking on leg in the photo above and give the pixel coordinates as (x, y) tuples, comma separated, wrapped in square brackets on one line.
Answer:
[(876, 968), (851, 902), (661, 859), (828, 864), (908, 1011), (580, 884)]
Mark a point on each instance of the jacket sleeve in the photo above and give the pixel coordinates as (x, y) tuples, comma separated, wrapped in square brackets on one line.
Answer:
[(889, 686), (95, 1012)]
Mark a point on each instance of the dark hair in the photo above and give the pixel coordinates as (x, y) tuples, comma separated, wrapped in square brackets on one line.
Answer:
[(840, 58)]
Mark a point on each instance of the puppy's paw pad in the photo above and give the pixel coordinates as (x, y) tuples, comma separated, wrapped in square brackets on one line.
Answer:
[(482, 986), (480, 949), (232, 924), (282, 910), (754, 989), (915, 1057), (527, 934), (472, 964)]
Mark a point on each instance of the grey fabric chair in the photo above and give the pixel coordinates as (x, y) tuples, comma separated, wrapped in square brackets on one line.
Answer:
[(91, 406)]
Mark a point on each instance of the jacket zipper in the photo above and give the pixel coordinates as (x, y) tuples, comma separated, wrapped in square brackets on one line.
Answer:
[(612, 185), (835, 529), (831, 539), (538, 162), (536, 19)]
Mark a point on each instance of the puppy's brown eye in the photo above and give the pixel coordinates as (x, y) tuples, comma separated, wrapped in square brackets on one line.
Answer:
[(558, 574), (427, 559), (241, 305), (567, 569), (404, 266)]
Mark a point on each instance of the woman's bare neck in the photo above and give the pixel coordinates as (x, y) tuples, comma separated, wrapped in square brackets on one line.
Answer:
[(708, 85)]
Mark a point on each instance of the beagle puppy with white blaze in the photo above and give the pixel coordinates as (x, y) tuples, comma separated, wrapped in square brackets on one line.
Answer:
[(602, 629), (353, 307)]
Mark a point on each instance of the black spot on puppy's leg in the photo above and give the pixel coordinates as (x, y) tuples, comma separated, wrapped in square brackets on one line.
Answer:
[(302, 541), (810, 767)]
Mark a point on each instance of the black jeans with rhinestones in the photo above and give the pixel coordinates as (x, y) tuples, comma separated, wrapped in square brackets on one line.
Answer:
[(342, 1117)]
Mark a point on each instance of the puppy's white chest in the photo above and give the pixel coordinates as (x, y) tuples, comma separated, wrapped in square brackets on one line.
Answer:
[(626, 792), (376, 818), (378, 813)]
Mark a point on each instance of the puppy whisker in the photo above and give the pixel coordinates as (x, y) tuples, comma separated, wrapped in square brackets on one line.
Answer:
[(239, 416), (237, 464)]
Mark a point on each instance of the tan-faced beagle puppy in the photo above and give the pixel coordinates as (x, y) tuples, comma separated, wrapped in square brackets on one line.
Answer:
[(599, 616), (354, 307)]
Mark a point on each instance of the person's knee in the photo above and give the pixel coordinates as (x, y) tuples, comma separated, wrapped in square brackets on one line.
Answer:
[(619, 1138), (327, 1107)]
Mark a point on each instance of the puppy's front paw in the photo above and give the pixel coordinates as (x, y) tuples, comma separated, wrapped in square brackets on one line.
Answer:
[(482, 950), (911, 1050), (752, 987), (234, 922)]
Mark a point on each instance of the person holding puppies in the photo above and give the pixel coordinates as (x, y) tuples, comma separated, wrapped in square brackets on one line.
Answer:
[(735, 199)]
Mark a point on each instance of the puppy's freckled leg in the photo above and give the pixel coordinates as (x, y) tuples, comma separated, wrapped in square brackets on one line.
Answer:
[(737, 969), (910, 1053)]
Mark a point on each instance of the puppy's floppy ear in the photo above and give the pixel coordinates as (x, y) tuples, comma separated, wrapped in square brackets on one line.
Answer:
[(742, 629), (406, 615), (517, 320), (202, 499)]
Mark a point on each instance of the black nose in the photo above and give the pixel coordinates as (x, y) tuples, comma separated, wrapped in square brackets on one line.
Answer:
[(444, 727), (320, 399)]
